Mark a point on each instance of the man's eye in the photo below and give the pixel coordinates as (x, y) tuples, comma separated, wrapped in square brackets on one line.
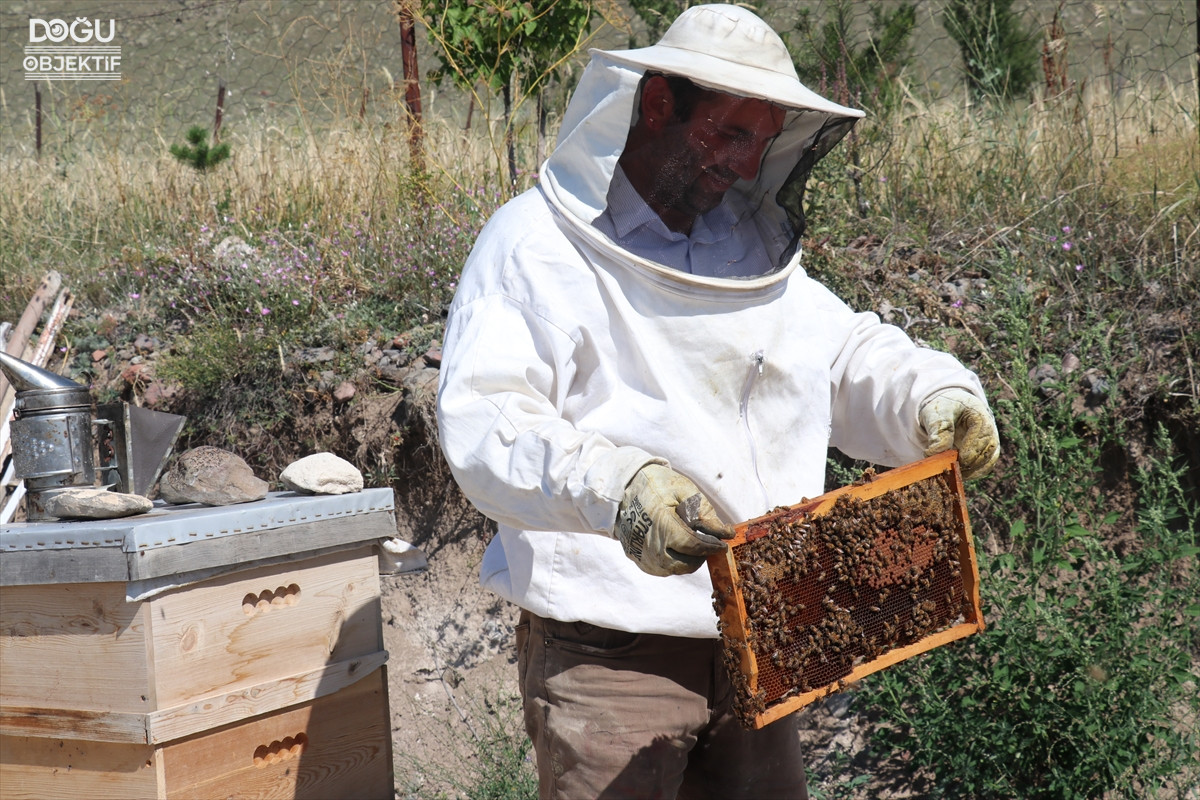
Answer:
[(735, 135)]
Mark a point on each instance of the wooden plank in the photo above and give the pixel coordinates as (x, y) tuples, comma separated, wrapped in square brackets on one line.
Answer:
[(19, 339), (66, 565), (55, 723), (966, 553), (36, 769), (5, 447), (263, 624), (196, 716), (10, 507), (733, 615), (240, 549), (213, 712), (54, 322), (337, 746), (879, 486), (74, 646)]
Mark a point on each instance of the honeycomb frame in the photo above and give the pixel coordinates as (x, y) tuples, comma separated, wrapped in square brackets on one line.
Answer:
[(813, 597)]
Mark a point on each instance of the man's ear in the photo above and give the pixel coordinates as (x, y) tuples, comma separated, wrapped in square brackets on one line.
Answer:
[(658, 103)]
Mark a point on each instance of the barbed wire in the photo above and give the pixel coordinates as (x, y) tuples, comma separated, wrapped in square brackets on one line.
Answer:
[(300, 64)]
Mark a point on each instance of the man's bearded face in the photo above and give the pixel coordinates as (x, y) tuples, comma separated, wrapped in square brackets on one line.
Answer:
[(722, 140)]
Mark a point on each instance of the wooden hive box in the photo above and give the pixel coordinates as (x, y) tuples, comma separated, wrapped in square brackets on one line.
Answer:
[(80, 661), (262, 678), (815, 596), (337, 746)]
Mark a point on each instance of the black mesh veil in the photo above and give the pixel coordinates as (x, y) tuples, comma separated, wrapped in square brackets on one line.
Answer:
[(676, 173), (790, 196)]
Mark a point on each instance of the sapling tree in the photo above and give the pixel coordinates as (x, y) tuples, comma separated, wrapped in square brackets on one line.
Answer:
[(196, 153), (504, 44), (860, 70), (559, 32), (863, 73)]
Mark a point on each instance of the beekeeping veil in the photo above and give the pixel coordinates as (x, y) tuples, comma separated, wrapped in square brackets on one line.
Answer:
[(720, 47)]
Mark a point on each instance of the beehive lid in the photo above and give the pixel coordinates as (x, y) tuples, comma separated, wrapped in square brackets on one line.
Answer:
[(173, 539), (815, 596)]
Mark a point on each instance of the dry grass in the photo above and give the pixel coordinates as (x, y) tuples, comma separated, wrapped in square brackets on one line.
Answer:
[(106, 203), (984, 169), (976, 171)]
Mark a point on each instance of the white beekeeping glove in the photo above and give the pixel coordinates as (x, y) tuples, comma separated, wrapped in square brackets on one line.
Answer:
[(651, 523), (956, 418)]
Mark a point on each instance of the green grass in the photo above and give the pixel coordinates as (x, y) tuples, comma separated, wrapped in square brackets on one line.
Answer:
[(1084, 280)]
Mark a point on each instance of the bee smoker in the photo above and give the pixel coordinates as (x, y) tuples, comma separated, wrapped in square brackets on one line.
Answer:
[(54, 447)]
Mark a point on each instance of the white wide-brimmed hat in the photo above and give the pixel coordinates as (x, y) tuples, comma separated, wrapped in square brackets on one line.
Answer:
[(729, 48)]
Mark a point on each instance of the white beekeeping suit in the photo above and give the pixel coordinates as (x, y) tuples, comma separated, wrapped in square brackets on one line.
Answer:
[(570, 363)]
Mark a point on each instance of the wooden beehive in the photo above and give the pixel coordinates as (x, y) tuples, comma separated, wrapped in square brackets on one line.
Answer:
[(268, 682), (815, 596), (197, 652)]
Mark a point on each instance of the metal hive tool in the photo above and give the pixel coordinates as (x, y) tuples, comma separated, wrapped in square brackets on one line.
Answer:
[(815, 596)]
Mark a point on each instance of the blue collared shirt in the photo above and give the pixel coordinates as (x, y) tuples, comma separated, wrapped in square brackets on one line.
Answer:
[(720, 245)]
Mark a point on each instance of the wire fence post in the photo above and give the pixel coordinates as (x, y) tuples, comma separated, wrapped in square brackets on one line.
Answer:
[(412, 77), (37, 117), (220, 113)]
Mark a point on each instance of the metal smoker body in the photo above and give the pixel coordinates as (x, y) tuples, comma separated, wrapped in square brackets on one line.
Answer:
[(54, 447)]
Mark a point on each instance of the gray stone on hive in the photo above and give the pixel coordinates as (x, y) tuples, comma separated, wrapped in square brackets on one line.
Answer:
[(83, 502), (211, 476)]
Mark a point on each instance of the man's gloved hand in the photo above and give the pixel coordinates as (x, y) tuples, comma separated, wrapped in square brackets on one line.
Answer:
[(957, 418), (651, 526)]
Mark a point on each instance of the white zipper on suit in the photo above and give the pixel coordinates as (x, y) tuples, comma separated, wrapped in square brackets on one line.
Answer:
[(757, 360)]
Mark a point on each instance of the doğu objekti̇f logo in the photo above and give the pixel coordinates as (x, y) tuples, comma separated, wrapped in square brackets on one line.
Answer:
[(72, 51)]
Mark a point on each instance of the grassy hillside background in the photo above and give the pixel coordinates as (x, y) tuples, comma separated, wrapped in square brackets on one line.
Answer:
[(1051, 242)]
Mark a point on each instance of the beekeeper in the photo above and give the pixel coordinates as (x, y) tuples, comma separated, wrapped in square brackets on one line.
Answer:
[(637, 330)]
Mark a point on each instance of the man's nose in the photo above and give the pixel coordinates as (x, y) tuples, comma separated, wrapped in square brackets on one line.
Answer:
[(744, 161)]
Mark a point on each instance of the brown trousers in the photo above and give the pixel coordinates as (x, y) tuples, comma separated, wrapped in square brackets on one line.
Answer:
[(626, 715)]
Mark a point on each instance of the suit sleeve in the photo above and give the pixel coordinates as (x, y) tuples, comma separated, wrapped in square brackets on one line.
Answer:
[(879, 380), (505, 373)]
